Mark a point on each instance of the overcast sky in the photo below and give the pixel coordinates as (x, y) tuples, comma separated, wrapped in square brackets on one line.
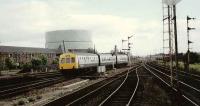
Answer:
[(24, 22)]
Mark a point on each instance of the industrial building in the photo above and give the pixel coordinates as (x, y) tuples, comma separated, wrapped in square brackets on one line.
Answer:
[(69, 40)]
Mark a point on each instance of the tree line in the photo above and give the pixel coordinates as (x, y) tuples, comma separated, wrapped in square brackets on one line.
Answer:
[(36, 63)]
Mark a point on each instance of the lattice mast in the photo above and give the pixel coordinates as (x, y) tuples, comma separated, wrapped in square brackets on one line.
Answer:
[(168, 36)]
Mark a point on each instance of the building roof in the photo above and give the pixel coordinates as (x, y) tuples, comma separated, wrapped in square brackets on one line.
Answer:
[(14, 49)]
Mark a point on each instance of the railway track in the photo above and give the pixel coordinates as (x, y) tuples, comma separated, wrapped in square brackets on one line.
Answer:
[(124, 94), (28, 82), (13, 90), (187, 93), (94, 94), (136, 87), (183, 74), (27, 78), (150, 92), (10, 88), (187, 79)]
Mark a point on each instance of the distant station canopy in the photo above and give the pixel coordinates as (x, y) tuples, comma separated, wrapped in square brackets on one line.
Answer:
[(69, 40)]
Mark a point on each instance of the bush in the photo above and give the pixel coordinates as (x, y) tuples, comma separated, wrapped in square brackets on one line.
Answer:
[(26, 67), (36, 63), (10, 63), (1, 65), (55, 61), (43, 60), (194, 57)]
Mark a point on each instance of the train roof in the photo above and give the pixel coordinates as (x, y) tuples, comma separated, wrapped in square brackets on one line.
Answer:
[(79, 53), (92, 54)]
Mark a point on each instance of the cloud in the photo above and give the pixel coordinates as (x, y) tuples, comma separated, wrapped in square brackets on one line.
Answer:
[(109, 30), (27, 22)]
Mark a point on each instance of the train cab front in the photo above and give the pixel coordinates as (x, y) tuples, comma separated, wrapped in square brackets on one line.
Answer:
[(67, 62)]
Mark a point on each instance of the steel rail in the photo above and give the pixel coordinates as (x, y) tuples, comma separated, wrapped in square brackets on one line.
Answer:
[(120, 86), (138, 81), (115, 90), (25, 83), (180, 71), (195, 104), (94, 91), (85, 95), (16, 90), (176, 79)]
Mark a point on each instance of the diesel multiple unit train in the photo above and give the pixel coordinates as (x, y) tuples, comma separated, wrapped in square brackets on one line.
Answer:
[(78, 61)]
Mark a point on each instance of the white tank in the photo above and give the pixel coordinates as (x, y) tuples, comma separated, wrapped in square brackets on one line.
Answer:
[(70, 39)]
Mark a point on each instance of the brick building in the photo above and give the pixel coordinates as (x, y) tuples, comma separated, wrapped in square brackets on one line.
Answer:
[(25, 54)]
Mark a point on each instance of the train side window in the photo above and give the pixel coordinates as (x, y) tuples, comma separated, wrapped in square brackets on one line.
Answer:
[(73, 60)]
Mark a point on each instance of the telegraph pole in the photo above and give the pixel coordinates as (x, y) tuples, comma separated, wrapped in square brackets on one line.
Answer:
[(188, 39), (129, 49), (176, 45)]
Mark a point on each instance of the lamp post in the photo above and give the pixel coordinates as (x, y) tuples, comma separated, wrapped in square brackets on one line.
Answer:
[(188, 38), (173, 4)]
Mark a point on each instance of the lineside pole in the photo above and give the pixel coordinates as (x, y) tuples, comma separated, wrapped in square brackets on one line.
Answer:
[(170, 45), (176, 45)]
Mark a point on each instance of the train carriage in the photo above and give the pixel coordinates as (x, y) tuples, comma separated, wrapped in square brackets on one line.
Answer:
[(74, 61), (122, 60), (107, 59)]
